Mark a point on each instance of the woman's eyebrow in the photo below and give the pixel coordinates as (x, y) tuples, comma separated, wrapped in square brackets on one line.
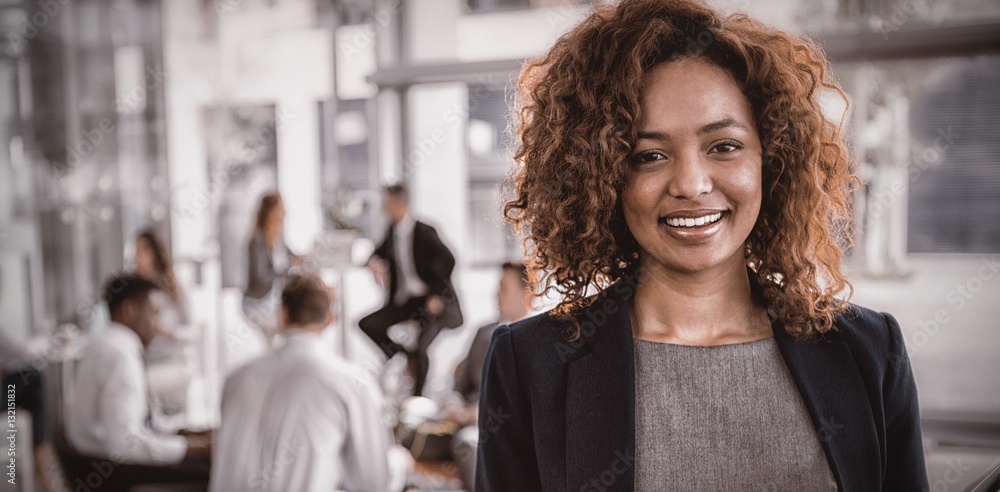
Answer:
[(723, 123), (708, 128), (653, 135)]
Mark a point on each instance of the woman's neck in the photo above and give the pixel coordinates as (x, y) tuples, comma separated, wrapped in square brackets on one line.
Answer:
[(714, 307), (148, 274), (271, 236)]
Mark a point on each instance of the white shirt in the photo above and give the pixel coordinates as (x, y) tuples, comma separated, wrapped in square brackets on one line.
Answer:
[(408, 285), (107, 410), (300, 418)]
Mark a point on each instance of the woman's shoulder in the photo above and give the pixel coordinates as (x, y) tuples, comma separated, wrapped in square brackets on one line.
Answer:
[(868, 332), (859, 322), (533, 330)]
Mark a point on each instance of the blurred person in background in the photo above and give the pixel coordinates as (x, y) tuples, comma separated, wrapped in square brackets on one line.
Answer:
[(415, 266), (153, 262), (19, 365), (682, 190), (268, 263), (170, 356), (107, 410), (300, 417), (513, 298)]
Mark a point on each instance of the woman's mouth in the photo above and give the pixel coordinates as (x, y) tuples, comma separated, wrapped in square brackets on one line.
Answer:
[(692, 222), (696, 227)]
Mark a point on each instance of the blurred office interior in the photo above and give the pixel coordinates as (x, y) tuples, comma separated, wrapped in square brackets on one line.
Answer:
[(118, 115)]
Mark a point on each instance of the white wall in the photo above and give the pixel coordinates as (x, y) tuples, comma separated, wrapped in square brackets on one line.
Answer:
[(260, 56), (515, 34)]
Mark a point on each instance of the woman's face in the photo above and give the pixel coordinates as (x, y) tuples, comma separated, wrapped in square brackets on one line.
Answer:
[(276, 217), (145, 263), (693, 189)]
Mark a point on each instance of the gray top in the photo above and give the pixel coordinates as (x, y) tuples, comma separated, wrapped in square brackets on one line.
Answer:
[(725, 417), (264, 265)]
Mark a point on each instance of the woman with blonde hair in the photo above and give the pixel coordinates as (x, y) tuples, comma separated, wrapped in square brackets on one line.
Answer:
[(680, 188)]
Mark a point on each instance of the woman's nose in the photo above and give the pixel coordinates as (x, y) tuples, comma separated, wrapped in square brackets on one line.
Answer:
[(691, 177)]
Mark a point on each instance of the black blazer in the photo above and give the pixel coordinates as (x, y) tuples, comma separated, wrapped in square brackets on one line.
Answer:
[(553, 415), (434, 264)]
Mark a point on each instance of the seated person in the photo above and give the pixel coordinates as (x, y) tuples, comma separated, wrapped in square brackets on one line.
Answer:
[(18, 366), (299, 417), (171, 357), (513, 298), (107, 410)]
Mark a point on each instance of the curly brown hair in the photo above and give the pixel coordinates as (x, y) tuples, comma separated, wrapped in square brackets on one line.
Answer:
[(577, 112)]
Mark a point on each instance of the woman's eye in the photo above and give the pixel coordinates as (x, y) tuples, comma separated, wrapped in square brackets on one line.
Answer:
[(727, 147), (649, 157)]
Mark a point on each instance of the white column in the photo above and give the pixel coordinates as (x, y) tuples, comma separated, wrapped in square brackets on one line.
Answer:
[(298, 171), (435, 164)]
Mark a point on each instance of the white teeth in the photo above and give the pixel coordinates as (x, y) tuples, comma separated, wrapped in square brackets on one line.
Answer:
[(694, 222)]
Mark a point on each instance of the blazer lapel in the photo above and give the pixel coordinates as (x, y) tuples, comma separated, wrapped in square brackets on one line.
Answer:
[(828, 379), (600, 398)]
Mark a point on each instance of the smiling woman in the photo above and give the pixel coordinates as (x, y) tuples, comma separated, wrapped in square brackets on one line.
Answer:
[(678, 185), (693, 189)]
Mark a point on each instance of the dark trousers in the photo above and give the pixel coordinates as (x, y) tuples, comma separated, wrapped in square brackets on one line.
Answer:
[(91, 474), (28, 396), (376, 326)]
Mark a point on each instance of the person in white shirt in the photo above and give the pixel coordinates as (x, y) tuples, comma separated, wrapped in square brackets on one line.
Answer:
[(300, 418), (107, 410)]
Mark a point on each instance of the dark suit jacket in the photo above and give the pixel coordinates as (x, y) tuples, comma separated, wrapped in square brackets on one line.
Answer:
[(434, 264), (469, 372), (556, 415)]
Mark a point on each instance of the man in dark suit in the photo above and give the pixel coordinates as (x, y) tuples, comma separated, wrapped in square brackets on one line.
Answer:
[(416, 267), (513, 298)]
